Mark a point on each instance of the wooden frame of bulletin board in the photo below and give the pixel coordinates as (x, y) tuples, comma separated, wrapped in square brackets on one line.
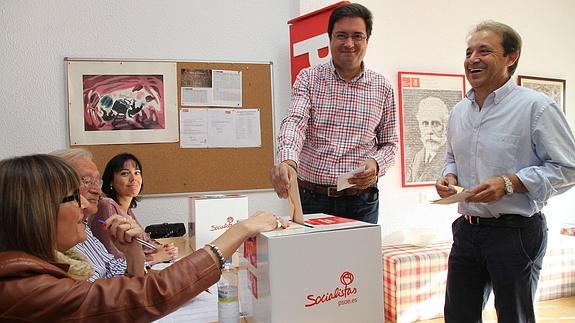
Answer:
[(169, 169)]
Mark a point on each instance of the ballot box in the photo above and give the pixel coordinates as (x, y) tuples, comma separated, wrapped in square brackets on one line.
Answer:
[(328, 270), (212, 215)]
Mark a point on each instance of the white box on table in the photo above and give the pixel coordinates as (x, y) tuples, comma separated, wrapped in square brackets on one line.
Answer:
[(212, 215), (328, 271)]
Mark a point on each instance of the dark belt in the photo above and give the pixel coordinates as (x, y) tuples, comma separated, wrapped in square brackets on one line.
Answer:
[(504, 220), (331, 191)]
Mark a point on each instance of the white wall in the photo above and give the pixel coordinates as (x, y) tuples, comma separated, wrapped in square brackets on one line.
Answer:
[(429, 36), (409, 36)]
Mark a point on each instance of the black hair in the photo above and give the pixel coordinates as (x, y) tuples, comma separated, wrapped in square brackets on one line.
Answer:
[(350, 10), (115, 165)]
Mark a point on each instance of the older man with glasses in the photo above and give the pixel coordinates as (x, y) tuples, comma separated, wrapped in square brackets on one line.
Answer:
[(105, 264)]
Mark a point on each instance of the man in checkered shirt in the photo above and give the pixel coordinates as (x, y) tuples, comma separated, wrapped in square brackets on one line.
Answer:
[(342, 117)]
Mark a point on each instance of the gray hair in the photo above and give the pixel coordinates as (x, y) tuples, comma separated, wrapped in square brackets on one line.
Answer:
[(73, 153)]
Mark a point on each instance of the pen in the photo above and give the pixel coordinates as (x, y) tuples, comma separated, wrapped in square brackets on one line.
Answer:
[(142, 242)]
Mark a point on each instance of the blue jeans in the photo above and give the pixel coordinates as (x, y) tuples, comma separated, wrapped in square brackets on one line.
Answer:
[(506, 260), (363, 207)]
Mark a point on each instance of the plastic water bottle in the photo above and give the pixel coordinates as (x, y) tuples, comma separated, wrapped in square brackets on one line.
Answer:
[(228, 303)]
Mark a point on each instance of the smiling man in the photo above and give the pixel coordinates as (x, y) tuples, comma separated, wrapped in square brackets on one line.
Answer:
[(512, 147), (342, 117)]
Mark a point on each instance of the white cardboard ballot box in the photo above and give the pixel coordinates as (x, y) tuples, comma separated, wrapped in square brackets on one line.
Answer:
[(212, 215), (327, 271)]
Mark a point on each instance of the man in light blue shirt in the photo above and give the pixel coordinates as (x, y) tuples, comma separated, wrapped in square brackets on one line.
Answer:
[(512, 148)]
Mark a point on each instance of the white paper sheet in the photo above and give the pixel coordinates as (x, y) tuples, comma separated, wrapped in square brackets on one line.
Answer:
[(211, 88), (221, 128), (458, 197), (216, 127), (227, 88), (296, 212), (248, 132), (202, 308), (193, 128), (342, 180)]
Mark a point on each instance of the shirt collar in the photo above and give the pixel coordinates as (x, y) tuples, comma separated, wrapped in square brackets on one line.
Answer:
[(499, 94), (355, 79)]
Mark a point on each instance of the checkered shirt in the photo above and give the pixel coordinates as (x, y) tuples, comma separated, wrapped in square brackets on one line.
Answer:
[(334, 125)]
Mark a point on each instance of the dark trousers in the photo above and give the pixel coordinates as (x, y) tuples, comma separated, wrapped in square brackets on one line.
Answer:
[(505, 259), (362, 207)]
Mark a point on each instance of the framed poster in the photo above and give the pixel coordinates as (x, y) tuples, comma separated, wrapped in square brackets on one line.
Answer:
[(553, 88), (115, 102), (425, 101)]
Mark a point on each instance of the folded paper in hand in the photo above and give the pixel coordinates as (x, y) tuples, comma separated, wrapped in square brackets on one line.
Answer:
[(460, 196), (342, 180)]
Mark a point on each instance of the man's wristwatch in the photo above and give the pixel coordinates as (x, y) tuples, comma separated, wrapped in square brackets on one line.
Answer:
[(508, 185)]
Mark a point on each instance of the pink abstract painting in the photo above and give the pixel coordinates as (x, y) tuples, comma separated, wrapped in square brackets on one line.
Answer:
[(123, 102)]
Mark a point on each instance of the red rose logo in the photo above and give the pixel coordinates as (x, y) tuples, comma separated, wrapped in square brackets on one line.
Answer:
[(346, 278)]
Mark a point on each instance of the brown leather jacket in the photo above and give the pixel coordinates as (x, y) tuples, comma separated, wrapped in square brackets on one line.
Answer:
[(32, 289)]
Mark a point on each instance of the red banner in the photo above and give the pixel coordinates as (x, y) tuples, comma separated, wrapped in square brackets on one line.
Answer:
[(309, 41)]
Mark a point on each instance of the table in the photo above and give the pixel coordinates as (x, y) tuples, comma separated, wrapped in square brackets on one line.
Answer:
[(204, 307), (415, 277), (414, 281)]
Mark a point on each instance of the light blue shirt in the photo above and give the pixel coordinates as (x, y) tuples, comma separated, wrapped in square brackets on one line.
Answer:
[(104, 263), (517, 131)]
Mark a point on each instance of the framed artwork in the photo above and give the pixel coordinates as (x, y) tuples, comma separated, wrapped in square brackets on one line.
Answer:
[(114, 102), (553, 88), (425, 101)]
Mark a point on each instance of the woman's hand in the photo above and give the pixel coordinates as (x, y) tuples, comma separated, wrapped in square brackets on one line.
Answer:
[(171, 250), (263, 221), (258, 222), (122, 231), (166, 252)]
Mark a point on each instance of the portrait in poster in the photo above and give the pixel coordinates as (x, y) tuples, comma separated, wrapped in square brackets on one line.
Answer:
[(553, 88), (122, 102), (425, 101)]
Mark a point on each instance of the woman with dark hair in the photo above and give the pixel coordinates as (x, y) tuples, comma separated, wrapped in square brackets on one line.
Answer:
[(122, 183), (41, 213)]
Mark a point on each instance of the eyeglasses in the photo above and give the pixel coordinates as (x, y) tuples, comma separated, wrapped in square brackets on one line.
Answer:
[(357, 37), (89, 181), (75, 196)]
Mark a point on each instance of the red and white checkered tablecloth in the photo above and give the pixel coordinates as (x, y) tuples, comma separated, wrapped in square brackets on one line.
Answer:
[(568, 231), (414, 278), (557, 277), (414, 281)]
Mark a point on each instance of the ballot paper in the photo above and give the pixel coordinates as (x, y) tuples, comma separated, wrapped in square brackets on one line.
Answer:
[(296, 212), (342, 180), (460, 196)]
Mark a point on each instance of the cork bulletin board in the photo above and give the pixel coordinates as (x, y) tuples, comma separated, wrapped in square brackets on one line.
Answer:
[(169, 169)]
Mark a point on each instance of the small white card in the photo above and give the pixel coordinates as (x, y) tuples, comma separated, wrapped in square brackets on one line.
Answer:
[(342, 180), (460, 196)]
